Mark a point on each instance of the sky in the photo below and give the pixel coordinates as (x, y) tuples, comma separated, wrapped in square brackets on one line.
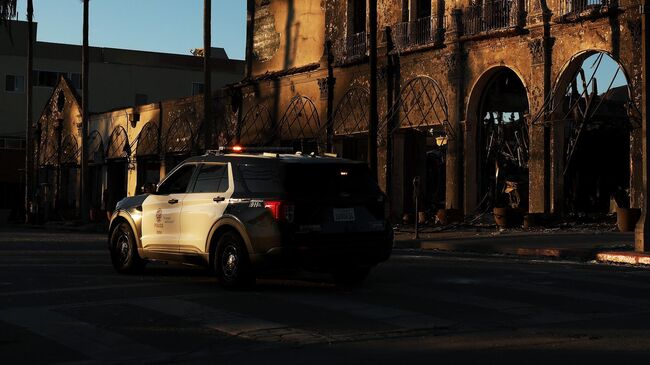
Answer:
[(170, 26)]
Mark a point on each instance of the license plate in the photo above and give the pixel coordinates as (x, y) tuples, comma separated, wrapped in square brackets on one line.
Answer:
[(344, 214)]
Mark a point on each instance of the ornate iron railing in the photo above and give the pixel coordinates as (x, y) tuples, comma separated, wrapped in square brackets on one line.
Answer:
[(356, 45), (492, 15), (420, 32), (584, 8)]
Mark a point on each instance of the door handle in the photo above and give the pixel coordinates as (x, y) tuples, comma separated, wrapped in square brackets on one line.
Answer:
[(219, 199), (172, 201)]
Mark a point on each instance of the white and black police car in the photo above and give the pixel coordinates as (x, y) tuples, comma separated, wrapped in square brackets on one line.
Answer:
[(244, 213)]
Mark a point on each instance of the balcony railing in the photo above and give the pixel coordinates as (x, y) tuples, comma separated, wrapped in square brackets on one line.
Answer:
[(421, 32), (356, 45), (584, 8), (493, 15)]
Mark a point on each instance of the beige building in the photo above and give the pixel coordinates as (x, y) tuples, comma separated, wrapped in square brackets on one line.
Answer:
[(118, 78)]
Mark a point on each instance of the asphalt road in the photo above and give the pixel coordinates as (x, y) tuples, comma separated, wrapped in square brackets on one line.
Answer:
[(61, 302)]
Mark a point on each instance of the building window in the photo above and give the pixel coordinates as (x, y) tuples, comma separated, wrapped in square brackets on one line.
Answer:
[(356, 16), (50, 78), (12, 143), (15, 83), (198, 88), (423, 9), (356, 41)]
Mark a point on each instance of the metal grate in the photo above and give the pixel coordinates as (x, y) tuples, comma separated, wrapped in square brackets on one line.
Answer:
[(584, 8), (356, 45), (255, 128), (421, 104), (49, 145), (148, 142), (118, 144), (420, 32), (491, 15), (352, 115), (299, 126), (180, 135), (95, 148), (70, 152)]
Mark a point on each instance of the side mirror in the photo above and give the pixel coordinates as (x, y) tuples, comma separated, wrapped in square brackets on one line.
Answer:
[(149, 188)]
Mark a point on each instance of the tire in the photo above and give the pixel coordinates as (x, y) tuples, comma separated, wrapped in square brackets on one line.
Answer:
[(351, 276), (232, 264), (124, 250)]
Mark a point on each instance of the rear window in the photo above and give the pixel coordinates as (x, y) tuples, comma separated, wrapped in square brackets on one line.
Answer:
[(261, 178), (329, 179)]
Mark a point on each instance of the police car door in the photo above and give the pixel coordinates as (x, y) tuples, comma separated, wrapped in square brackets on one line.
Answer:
[(204, 205), (161, 212)]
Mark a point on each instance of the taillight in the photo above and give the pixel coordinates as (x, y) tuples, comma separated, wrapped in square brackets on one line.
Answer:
[(281, 211)]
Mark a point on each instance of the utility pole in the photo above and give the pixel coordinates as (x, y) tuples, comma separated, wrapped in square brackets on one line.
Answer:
[(642, 234), (374, 115), (207, 74), (331, 81), (85, 118), (29, 137), (250, 31)]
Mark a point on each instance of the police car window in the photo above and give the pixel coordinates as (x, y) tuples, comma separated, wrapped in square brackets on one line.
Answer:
[(260, 178), (329, 179), (212, 179), (177, 183)]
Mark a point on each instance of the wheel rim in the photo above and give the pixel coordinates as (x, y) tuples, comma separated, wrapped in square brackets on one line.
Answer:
[(123, 248), (230, 262)]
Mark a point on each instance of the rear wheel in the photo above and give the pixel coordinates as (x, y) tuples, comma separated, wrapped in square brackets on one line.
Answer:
[(231, 262), (351, 276), (124, 250)]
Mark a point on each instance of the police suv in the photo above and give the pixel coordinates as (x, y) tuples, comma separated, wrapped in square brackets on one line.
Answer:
[(245, 213)]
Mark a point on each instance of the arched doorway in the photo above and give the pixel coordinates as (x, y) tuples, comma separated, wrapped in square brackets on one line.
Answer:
[(179, 142), (255, 127), (420, 136), (350, 123), (147, 154), (69, 179), (117, 154), (592, 118), (299, 127), (497, 119)]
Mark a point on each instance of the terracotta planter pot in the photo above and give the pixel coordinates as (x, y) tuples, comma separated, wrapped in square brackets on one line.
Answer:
[(626, 218)]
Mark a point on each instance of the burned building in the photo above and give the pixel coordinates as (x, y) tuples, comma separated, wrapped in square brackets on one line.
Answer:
[(526, 103), (127, 147)]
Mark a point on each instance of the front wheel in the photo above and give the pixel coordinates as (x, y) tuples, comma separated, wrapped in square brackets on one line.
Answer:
[(231, 263), (124, 251)]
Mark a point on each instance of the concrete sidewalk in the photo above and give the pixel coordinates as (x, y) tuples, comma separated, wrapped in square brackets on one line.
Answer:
[(574, 244)]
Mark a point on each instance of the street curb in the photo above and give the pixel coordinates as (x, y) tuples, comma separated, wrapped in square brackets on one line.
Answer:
[(629, 258), (582, 254)]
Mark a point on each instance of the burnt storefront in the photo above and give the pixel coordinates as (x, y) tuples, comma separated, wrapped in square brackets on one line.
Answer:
[(489, 104)]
